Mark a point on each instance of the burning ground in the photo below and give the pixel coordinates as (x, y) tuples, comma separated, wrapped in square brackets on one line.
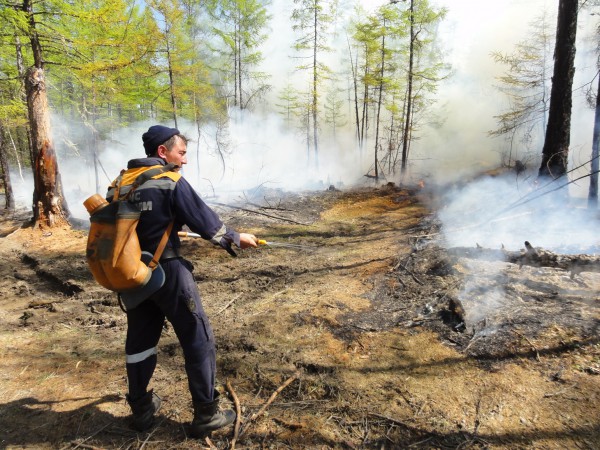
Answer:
[(372, 335)]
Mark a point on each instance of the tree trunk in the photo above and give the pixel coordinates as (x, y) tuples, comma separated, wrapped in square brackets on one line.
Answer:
[(9, 199), (235, 66), (556, 144), (407, 122), (314, 92), (379, 102), (355, 86), (171, 80), (593, 195), (239, 61), (49, 205)]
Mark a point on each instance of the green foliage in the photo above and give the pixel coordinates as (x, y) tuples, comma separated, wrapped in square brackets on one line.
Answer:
[(526, 83), (240, 26)]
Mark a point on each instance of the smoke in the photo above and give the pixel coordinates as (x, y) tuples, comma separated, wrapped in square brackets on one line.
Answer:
[(260, 151), (509, 210)]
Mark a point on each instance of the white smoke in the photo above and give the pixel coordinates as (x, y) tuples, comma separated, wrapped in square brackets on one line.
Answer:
[(262, 152), (507, 211)]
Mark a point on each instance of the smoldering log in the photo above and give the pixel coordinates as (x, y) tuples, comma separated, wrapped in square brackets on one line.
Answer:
[(531, 256)]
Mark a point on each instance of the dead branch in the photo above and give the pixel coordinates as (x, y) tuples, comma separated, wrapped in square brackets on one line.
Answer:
[(238, 412), (533, 347), (252, 211), (261, 411), (82, 443), (532, 256), (414, 277), (228, 304), (390, 419), (562, 391)]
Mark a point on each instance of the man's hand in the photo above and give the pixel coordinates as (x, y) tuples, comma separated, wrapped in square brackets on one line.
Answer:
[(248, 240)]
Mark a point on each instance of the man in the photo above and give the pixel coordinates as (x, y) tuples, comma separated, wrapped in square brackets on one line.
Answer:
[(164, 200)]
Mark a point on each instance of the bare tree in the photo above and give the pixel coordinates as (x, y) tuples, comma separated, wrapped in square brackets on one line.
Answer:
[(49, 205)]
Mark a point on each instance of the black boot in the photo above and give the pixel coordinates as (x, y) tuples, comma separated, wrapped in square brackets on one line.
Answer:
[(208, 418), (144, 409)]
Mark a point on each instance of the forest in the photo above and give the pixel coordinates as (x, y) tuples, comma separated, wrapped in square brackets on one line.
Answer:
[(359, 85), (394, 156)]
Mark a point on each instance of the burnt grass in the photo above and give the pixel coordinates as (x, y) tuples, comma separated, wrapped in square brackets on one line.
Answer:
[(371, 335)]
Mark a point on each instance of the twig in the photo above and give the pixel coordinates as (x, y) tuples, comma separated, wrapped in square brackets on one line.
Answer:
[(87, 438), (533, 347), (390, 419), (256, 415), (227, 305), (562, 391), (260, 213), (150, 435), (399, 264), (238, 413), (91, 447), (412, 275)]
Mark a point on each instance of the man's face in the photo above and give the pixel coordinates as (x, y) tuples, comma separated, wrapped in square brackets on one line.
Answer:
[(177, 155)]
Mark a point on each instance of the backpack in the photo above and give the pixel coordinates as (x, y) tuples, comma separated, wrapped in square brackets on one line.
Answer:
[(113, 250)]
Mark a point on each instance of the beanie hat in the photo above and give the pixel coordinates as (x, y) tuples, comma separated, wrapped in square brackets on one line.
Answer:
[(157, 135)]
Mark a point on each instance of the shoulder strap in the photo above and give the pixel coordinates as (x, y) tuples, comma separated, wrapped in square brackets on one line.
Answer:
[(117, 185), (148, 174), (141, 179), (161, 246)]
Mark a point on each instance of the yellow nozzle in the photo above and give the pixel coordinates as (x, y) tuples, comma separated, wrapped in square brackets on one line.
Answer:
[(262, 242)]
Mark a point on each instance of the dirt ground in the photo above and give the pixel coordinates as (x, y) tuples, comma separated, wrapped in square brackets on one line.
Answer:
[(369, 336)]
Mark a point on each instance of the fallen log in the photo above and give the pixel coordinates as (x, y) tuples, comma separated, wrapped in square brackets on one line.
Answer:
[(531, 256)]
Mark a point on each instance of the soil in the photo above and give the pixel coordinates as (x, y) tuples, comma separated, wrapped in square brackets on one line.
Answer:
[(369, 335)]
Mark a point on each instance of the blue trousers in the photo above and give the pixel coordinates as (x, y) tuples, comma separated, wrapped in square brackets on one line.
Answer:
[(178, 300)]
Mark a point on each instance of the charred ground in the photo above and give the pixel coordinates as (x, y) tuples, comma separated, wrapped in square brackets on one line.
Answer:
[(389, 340)]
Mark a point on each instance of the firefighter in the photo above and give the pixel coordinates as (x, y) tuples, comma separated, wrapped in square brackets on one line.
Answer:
[(164, 200)]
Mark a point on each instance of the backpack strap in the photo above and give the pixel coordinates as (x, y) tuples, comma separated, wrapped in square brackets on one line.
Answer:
[(161, 246), (117, 185), (148, 174), (141, 179)]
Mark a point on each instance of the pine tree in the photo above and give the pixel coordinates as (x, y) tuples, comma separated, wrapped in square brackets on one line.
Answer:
[(312, 20)]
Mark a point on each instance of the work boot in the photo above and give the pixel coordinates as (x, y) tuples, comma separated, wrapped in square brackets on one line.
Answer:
[(208, 418), (144, 409)]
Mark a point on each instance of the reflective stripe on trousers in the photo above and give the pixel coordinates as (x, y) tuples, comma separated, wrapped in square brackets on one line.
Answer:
[(179, 302)]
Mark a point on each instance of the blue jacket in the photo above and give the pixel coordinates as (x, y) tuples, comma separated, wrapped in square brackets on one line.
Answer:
[(162, 200)]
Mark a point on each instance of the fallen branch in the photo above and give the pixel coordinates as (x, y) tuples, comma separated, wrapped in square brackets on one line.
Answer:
[(82, 443), (532, 256), (238, 413), (414, 277), (259, 213), (261, 411), (533, 347), (562, 391), (228, 304)]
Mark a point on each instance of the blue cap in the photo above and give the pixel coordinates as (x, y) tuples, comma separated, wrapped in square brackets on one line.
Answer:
[(155, 136)]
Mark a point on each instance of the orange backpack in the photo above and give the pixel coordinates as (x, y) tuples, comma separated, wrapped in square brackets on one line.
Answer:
[(113, 250)]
